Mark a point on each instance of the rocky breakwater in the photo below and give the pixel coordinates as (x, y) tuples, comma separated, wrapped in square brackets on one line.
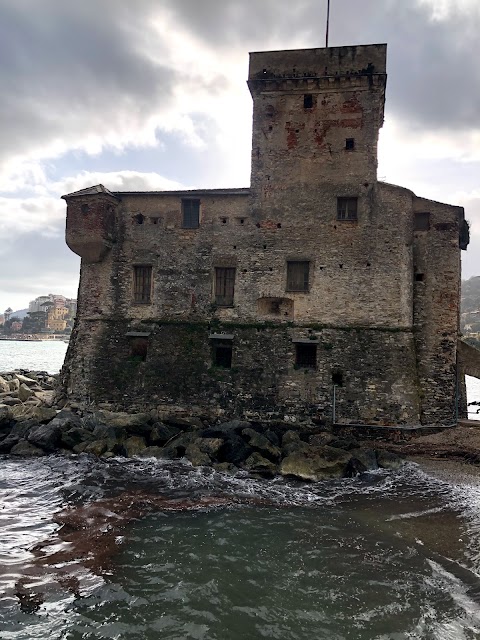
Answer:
[(32, 425)]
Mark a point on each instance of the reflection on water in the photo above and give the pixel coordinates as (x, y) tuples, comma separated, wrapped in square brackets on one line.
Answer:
[(389, 555)]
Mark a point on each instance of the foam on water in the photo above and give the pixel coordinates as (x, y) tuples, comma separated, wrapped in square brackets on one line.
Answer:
[(388, 555)]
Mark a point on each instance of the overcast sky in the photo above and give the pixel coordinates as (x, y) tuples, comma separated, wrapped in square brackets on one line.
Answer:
[(151, 94)]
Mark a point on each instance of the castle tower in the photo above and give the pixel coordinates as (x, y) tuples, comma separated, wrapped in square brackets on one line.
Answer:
[(90, 222), (316, 119)]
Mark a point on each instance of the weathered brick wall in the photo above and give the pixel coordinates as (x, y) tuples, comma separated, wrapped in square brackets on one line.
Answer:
[(436, 308), (377, 369), (390, 337)]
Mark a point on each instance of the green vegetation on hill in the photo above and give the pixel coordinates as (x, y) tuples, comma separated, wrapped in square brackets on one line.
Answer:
[(470, 311)]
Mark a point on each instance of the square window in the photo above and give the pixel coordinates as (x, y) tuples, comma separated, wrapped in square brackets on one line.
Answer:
[(224, 286), (298, 275), (347, 208), (350, 144), (421, 221), (308, 101), (142, 284), (190, 214), (306, 356), (222, 354), (138, 349)]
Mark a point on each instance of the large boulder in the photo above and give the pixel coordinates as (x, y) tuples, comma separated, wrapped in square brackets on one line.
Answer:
[(131, 422), (234, 450), (161, 433), (4, 386), (74, 436), (28, 411), (30, 382), (45, 436), (18, 432), (6, 415), (133, 446), (197, 457), (97, 447), (26, 449), (258, 465), (316, 463), (262, 444), (210, 446), (389, 460), (24, 392), (226, 428)]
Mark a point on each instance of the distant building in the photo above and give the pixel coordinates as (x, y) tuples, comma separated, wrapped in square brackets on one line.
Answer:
[(318, 291)]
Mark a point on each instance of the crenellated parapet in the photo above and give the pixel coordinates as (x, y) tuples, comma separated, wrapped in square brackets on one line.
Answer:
[(90, 227)]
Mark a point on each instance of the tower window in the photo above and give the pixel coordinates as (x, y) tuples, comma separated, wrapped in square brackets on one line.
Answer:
[(419, 277), (142, 284), (347, 208), (421, 221), (224, 286), (350, 144), (85, 208), (190, 214), (138, 349), (337, 378), (222, 354), (306, 356), (308, 101), (298, 276)]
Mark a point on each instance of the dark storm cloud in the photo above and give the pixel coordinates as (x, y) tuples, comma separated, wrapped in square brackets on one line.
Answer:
[(71, 68)]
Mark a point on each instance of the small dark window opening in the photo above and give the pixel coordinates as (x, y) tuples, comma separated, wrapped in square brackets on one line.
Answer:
[(337, 378), (419, 277), (421, 221), (306, 356), (142, 284), (155, 220), (85, 208), (222, 354), (138, 349), (190, 214), (139, 219), (350, 144), (298, 276), (308, 101), (242, 220), (224, 286), (347, 208), (224, 221)]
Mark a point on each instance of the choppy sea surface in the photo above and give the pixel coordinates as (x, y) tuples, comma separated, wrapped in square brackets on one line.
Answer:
[(388, 555)]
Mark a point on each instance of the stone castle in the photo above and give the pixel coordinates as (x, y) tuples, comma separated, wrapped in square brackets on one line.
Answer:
[(318, 292)]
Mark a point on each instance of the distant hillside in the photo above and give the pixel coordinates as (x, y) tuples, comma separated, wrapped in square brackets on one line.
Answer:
[(20, 314), (470, 310)]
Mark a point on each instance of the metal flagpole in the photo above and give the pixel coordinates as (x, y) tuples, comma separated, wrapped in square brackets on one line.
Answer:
[(328, 20)]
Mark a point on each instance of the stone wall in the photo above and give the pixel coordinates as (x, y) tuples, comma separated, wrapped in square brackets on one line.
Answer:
[(380, 299)]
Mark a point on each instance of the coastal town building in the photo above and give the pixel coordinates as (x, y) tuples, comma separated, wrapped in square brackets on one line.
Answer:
[(318, 292)]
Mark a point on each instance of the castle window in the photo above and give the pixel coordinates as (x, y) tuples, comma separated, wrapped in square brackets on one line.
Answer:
[(138, 348), (306, 356), (347, 208), (222, 349), (419, 277), (308, 101), (224, 286), (85, 208), (139, 219), (142, 284), (421, 221), (190, 214), (337, 378), (298, 275), (350, 144)]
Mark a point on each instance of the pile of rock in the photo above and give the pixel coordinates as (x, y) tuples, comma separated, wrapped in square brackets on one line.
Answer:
[(31, 427)]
